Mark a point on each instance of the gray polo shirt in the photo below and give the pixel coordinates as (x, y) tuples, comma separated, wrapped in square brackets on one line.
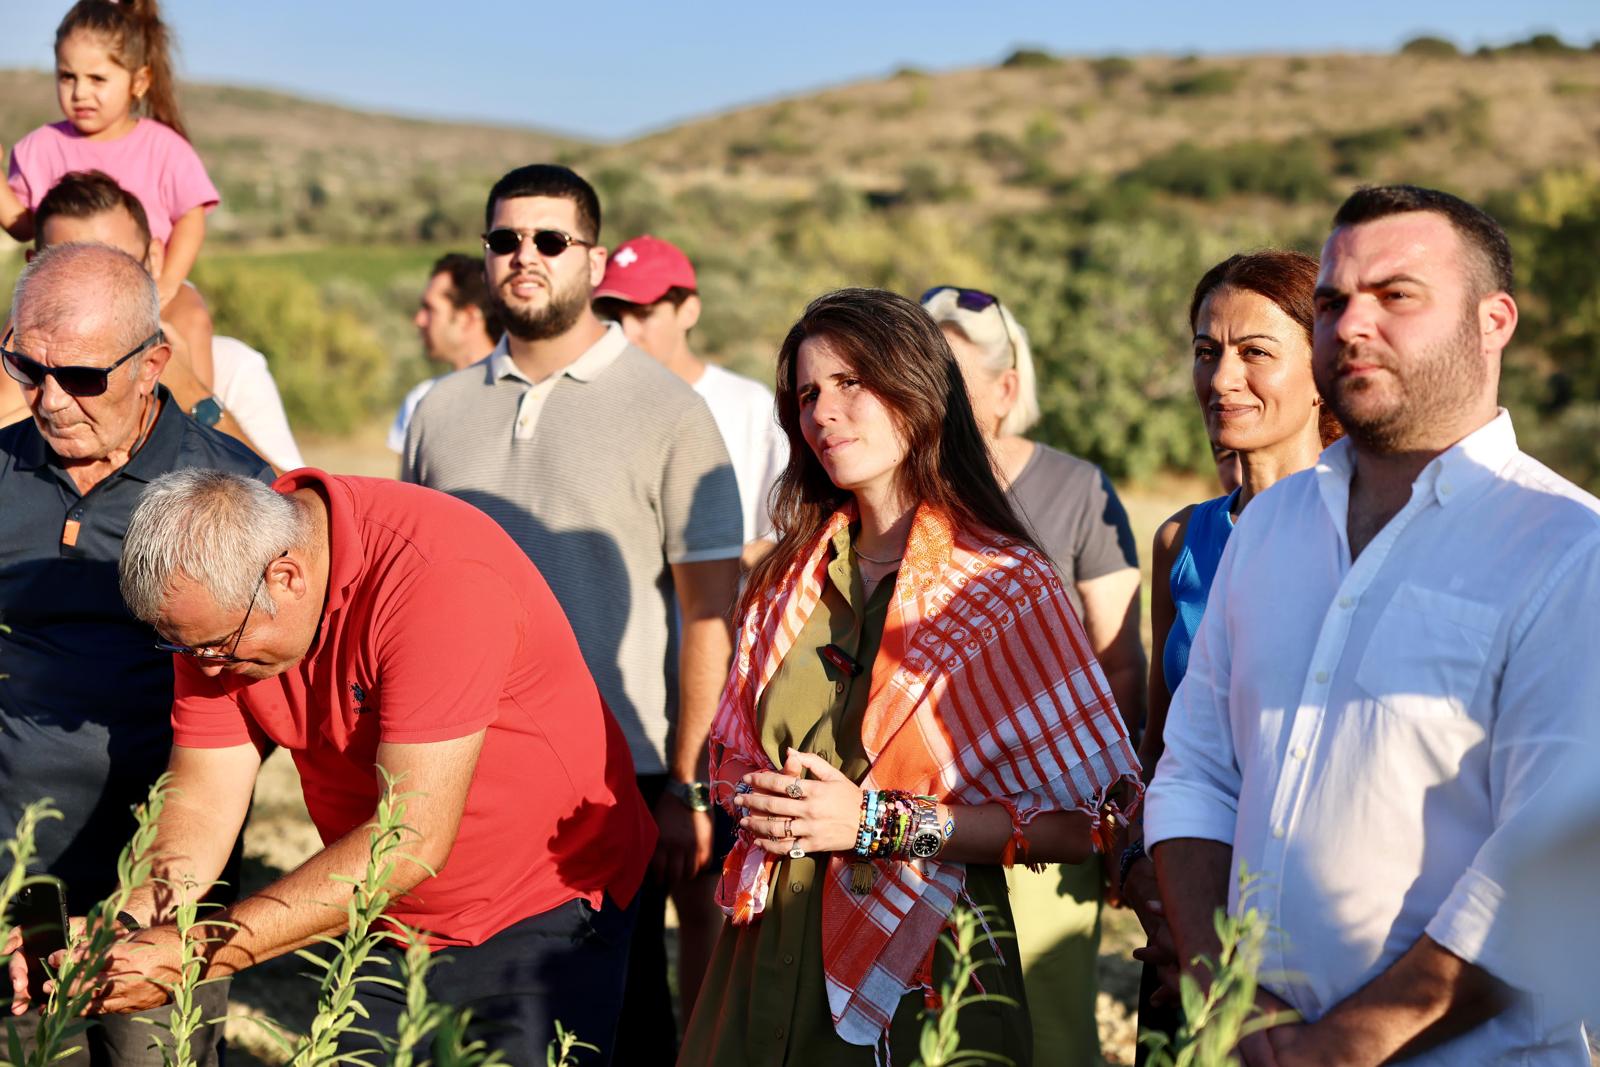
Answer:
[(606, 474)]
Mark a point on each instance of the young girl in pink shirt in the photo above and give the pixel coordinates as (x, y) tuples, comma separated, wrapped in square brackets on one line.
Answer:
[(114, 83)]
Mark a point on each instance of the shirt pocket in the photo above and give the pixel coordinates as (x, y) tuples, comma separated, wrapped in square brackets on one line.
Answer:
[(1427, 653)]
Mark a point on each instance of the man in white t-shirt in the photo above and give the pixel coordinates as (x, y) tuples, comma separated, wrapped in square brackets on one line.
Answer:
[(243, 383), (649, 287), (457, 325)]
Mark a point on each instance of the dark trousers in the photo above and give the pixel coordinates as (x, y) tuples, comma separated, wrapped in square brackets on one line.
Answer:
[(651, 1035), (125, 1041), (566, 965), (1164, 1019)]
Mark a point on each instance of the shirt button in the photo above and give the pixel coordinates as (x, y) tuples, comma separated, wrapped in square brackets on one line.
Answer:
[(1277, 831), (796, 887), (788, 960), (1347, 602), (778, 1033), (838, 687), (1299, 752), (1445, 489), (822, 753), (1322, 677)]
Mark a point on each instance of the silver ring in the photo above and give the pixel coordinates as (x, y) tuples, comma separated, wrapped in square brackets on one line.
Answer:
[(797, 853), (795, 791)]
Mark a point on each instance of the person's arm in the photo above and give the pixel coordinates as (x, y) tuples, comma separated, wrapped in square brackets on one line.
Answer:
[(15, 217), (187, 390), (1162, 612), (183, 248), (187, 311), (706, 591), (1111, 619), (311, 900)]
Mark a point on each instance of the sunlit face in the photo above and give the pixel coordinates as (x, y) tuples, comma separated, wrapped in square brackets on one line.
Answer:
[(1252, 372), (992, 395), (849, 429), (1400, 351), (265, 645), (661, 329), (443, 327), (539, 296), (96, 93), (88, 429)]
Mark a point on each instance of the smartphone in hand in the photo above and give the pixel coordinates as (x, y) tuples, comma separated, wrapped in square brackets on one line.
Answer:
[(40, 912)]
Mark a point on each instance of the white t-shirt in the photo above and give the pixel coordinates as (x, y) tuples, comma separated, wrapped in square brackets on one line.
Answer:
[(244, 386), (747, 416), (402, 418)]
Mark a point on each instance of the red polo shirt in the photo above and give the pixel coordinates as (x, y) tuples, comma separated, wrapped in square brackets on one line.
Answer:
[(437, 626)]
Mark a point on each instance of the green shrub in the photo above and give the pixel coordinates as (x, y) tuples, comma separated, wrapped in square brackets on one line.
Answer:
[(1108, 70), (1218, 81), (1430, 47), (1029, 59), (1292, 172)]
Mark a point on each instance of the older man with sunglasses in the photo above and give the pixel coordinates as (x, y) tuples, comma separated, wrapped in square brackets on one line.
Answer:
[(85, 696)]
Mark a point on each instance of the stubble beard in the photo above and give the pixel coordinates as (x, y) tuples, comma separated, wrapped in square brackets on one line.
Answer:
[(559, 314), (1428, 390)]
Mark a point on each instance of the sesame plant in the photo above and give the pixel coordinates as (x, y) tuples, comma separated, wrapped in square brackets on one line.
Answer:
[(1218, 1017), (940, 1044)]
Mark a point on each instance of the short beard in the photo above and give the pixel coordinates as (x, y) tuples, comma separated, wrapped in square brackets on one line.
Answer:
[(558, 315), (1432, 386)]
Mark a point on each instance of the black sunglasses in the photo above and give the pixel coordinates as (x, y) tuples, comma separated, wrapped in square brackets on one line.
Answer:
[(213, 653), (975, 300), (548, 243), (74, 381)]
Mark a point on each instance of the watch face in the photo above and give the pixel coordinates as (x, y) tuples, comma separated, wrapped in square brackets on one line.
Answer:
[(925, 844)]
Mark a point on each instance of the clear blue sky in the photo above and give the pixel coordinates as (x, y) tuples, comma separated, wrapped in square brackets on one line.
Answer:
[(613, 69)]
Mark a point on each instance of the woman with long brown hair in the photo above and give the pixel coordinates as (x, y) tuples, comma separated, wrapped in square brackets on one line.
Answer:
[(913, 704)]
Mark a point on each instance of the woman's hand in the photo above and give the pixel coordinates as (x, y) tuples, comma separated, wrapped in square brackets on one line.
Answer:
[(824, 817)]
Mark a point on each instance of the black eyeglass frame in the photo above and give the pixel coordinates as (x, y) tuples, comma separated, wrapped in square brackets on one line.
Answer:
[(547, 235), (976, 300), (17, 364), (209, 653)]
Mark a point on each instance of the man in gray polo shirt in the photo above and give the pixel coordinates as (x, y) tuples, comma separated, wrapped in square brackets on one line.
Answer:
[(611, 474)]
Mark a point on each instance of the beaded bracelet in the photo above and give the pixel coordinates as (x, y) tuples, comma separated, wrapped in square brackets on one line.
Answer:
[(887, 818)]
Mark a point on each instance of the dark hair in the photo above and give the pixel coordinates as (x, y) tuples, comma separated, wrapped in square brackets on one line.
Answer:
[(549, 179), (610, 307), (1477, 228), (85, 194), (136, 37), (1289, 280), (469, 288), (903, 358)]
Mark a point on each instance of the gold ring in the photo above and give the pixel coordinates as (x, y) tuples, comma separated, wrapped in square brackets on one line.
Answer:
[(788, 826)]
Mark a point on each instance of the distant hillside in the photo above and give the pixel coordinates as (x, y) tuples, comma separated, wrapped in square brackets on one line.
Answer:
[(292, 167)]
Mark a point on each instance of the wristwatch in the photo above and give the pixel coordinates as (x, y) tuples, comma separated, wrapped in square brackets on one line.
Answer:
[(929, 836), (207, 412), (696, 796)]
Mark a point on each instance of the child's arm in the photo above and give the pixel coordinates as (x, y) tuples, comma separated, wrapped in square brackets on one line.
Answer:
[(183, 248), (187, 312), (15, 218)]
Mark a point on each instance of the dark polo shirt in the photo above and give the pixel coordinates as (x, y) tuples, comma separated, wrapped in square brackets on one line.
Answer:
[(86, 700)]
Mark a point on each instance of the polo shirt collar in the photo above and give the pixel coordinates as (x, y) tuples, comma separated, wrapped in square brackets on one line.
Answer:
[(586, 368), (346, 560), (155, 457)]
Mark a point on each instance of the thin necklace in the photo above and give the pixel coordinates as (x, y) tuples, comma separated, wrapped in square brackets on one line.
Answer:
[(881, 562)]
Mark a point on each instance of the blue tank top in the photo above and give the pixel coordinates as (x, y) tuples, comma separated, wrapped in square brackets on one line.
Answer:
[(1204, 538)]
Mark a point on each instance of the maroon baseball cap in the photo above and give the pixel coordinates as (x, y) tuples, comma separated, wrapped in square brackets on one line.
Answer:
[(641, 271)]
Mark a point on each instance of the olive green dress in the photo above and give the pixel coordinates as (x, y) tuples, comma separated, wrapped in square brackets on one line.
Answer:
[(764, 1001)]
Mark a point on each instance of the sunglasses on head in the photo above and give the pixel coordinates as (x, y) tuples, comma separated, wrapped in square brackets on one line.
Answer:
[(74, 381), (975, 300), (548, 243)]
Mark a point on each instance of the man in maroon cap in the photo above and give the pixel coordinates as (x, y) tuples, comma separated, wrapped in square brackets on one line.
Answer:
[(650, 289)]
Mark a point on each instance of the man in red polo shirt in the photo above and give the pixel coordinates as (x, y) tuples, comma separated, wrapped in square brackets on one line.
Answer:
[(363, 623)]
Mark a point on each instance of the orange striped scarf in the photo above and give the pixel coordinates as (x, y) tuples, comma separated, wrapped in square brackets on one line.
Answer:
[(985, 690)]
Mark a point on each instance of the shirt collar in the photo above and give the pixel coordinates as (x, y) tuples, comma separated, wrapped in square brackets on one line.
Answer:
[(1469, 462), (346, 560), (155, 457), (585, 368)]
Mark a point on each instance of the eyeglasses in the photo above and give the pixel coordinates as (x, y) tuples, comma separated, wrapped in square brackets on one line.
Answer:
[(74, 381), (548, 243), (976, 300), (213, 653)]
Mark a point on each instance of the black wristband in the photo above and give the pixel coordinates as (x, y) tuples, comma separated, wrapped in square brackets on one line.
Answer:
[(128, 922), (1130, 855)]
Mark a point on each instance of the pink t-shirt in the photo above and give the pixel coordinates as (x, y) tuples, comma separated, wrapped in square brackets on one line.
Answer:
[(152, 162)]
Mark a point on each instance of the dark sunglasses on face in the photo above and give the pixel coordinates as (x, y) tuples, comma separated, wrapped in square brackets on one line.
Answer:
[(74, 381), (975, 300), (548, 243)]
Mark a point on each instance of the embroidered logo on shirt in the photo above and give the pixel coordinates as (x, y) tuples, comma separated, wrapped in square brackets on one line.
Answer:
[(625, 258), (360, 696)]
